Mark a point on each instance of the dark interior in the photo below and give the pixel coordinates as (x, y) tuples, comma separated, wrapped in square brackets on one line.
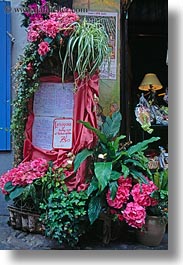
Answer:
[(147, 41)]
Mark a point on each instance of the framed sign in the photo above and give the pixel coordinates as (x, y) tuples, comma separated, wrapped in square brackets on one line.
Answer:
[(62, 133)]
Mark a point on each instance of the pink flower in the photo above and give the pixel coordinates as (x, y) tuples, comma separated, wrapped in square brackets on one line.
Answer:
[(43, 48), (122, 194), (50, 28), (134, 215), (141, 194), (24, 174)]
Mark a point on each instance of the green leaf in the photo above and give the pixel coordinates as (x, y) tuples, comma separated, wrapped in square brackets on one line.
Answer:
[(125, 171), (17, 192), (9, 187), (141, 146), (7, 197), (116, 142), (94, 208), (135, 163), (138, 175), (80, 157), (49, 40), (101, 135), (115, 175), (113, 186), (103, 172), (93, 186)]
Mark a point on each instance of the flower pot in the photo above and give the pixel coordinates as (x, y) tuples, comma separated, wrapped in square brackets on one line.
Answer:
[(153, 231), (25, 220)]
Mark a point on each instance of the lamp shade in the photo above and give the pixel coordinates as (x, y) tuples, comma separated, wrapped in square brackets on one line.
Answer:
[(150, 81)]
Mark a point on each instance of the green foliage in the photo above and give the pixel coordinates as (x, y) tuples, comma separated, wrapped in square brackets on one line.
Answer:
[(86, 49), (64, 216), (25, 86), (112, 159), (160, 179), (30, 196)]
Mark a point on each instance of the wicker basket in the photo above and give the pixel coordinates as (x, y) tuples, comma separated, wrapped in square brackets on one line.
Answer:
[(25, 220)]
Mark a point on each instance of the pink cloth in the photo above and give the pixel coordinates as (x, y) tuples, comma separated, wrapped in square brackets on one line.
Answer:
[(84, 106)]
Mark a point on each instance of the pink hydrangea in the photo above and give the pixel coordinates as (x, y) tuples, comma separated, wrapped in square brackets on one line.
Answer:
[(43, 48), (122, 194), (50, 28), (25, 173), (134, 215), (34, 31), (141, 194)]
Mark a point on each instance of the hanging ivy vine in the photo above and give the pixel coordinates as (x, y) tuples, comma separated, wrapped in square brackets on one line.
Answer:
[(26, 83)]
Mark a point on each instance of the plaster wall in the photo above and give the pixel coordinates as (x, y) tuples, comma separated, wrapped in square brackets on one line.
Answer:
[(18, 32)]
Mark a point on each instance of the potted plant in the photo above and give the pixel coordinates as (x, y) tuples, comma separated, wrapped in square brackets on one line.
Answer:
[(117, 168), (42, 203), (157, 215)]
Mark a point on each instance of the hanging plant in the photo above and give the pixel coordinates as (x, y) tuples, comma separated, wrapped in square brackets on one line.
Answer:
[(87, 48)]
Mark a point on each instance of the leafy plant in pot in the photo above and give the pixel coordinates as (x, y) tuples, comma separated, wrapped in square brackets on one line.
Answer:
[(157, 216), (113, 164)]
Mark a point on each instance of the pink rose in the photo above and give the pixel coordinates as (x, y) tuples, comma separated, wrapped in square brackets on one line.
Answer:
[(43, 48)]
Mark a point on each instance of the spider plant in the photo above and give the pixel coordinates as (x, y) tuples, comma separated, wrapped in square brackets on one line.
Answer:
[(86, 49)]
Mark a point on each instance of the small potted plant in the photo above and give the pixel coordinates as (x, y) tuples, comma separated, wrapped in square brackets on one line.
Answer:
[(157, 215)]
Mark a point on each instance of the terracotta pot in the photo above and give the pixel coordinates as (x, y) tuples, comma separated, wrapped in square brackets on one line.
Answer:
[(153, 231)]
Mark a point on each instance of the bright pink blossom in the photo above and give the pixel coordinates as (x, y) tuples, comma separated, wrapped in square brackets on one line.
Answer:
[(122, 194), (24, 174), (134, 215), (141, 194), (43, 48)]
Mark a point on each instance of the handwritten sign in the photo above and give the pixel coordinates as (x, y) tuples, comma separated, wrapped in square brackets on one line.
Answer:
[(62, 133), (42, 132), (54, 100)]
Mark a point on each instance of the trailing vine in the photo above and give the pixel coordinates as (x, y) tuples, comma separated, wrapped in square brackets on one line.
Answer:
[(26, 83)]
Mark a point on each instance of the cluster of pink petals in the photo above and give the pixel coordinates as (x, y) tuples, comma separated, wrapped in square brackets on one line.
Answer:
[(134, 215), (122, 194), (133, 199), (57, 22), (25, 173), (44, 48), (36, 11), (141, 194)]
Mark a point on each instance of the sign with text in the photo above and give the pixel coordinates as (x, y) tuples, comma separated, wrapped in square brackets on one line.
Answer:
[(62, 133), (52, 102)]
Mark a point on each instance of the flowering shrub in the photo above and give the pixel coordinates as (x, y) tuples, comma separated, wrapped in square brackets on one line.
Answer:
[(45, 32), (131, 201), (23, 175)]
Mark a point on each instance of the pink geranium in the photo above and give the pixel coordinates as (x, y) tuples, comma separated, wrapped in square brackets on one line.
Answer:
[(43, 48), (134, 214)]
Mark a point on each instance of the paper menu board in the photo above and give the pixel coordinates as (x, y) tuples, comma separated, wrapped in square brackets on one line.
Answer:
[(51, 101), (42, 130), (62, 133), (54, 100)]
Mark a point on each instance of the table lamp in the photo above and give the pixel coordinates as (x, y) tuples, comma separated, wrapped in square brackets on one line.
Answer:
[(150, 82)]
